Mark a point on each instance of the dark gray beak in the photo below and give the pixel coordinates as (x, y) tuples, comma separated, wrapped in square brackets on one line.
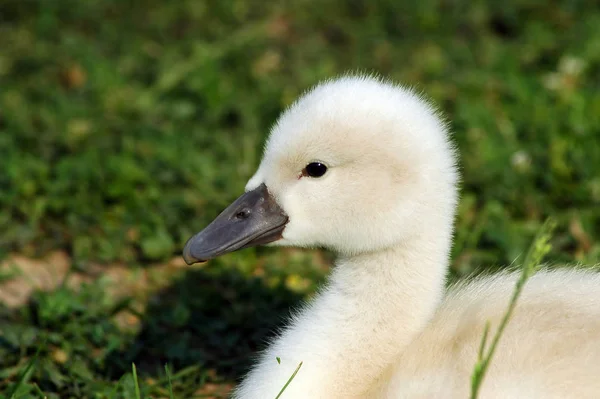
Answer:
[(255, 218)]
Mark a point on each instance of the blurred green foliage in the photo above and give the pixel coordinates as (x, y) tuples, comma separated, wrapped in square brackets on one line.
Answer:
[(126, 126)]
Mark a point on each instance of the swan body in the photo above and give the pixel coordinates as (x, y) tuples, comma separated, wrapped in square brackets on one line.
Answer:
[(382, 196)]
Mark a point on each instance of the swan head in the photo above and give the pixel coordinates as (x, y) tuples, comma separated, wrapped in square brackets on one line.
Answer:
[(355, 165)]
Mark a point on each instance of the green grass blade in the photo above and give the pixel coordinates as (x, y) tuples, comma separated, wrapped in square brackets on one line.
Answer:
[(289, 381), (116, 388), (25, 375), (170, 383), (486, 332), (538, 249), (39, 391), (135, 382)]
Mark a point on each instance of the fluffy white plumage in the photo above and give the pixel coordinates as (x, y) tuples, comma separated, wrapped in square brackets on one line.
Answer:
[(383, 326)]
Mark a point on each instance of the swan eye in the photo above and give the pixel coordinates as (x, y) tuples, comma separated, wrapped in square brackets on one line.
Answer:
[(314, 169)]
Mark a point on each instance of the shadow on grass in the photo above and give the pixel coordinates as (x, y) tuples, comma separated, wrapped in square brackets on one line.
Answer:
[(213, 318)]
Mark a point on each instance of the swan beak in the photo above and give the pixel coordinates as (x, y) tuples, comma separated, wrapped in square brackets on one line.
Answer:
[(255, 218)]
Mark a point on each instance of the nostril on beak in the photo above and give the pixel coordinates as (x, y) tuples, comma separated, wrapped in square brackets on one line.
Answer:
[(243, 214)]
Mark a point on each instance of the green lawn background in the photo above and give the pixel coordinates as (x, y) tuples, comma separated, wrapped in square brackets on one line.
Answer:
[(127, 126)]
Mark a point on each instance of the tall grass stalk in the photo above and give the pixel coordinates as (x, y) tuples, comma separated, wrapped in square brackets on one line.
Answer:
[(289, 380), (538, 249), (136, 383), (168, 372)]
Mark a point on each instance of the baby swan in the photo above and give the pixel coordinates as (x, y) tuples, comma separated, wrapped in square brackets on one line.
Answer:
[(365, 168)]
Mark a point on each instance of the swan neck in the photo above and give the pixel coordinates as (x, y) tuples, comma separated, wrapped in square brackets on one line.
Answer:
[(407, 279)]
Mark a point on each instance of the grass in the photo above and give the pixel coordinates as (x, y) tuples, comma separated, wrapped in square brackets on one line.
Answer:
[(289, 380), (539, 248), (126, 126)]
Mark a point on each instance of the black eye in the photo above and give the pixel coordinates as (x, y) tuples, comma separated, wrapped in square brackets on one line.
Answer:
[(314, 169)]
